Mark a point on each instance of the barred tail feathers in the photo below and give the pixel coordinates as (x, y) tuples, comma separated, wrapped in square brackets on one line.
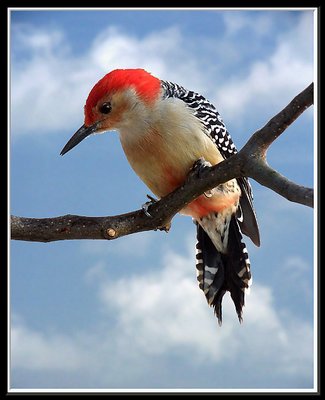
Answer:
[(221, 269), (210, 271), (238, 276)]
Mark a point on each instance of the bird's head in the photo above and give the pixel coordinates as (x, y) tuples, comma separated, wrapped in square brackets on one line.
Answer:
[(114, 100)]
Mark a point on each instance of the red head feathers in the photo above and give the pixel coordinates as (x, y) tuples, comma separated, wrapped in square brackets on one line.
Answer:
[(146, 86)]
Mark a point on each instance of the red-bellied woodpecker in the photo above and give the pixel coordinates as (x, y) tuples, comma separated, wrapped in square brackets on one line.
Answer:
[(164, 129)]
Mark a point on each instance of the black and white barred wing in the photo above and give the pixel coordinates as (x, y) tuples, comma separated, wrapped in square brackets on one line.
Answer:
[(220, 270), (216, 130)]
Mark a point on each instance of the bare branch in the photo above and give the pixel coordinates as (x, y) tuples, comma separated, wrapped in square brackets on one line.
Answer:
[(250, 161), (267, 176), (256, 148), (263, 138)]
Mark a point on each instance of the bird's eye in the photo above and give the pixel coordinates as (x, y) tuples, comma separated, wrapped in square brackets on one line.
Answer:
[(105, 108)]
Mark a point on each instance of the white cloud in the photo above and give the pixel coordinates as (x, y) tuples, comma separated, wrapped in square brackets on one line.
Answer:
[(296, 265), (273, 81), (36, 350), (165, 311), (160, 314), (237, 21), (298, 271), (49, 87), (114, 48)]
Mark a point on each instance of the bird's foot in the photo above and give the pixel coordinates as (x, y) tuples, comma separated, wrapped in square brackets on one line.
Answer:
[(200, 166), (145, 206)]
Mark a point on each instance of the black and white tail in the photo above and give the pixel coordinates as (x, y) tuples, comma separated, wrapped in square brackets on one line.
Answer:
[(221, 271), (222, 259)]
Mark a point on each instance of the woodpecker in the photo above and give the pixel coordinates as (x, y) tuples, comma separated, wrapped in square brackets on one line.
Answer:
[(165, 130)]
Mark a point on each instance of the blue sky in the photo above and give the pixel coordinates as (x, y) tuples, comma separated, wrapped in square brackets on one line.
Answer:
[(108, 315)]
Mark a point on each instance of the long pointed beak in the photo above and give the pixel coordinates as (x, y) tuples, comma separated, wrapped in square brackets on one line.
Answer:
[(80, 135)]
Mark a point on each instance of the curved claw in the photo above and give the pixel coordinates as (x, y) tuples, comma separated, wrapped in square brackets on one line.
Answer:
[(200, 165), (146, 205)]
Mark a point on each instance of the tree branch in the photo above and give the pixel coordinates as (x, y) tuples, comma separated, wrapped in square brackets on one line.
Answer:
[(250, 161)]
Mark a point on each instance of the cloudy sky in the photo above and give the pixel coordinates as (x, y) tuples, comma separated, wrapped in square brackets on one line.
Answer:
[(99, 315)]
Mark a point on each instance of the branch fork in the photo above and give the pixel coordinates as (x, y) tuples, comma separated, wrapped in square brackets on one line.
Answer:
[(250, 161)]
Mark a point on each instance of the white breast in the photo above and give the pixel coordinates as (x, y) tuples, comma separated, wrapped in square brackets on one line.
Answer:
[(163, 143)]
